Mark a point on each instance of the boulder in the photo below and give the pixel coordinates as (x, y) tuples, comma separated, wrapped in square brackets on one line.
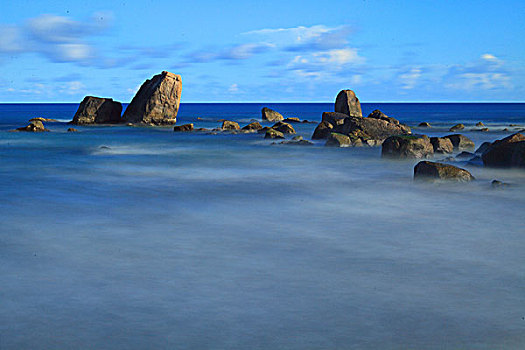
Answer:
[(407, 146), (42, 119), (322, 131), (283, 127), (292, 120), (334, 118), (465, 154), (229, 125), (273, 134), (457, 127), (377, 114), (347, 103), (35, 126), (483, 148), (376, 129), (183, 128), (72, 130), (442, 145), (426, 170), (507, 152), (96, 110), (424, 125), (157, 101), (338, 140), (263, 130), (271, 115), (480, 124), (252, 126), (460, 142)]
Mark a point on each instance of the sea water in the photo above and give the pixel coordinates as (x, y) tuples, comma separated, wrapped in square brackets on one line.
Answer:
[(121, 237)]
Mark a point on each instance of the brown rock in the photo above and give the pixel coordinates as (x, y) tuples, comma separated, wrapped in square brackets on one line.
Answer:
[(72, 130), (457, 127), (271, 115), (273, 134), (424, 125), (347, 103), (426, 170), (334, 118), (407, 146), (183, 128), (376, 129), (229, 125), (377, 114), (283, 127), (292, 120), (506, 153), (460, 142), (157, 101), (43, 119), (338, 140), (442, 145), (480, 124), (35, 126), (322, 131), (252, 126), (96, 110)]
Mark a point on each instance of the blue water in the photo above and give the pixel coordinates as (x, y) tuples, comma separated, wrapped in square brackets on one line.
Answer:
[(163, 240)]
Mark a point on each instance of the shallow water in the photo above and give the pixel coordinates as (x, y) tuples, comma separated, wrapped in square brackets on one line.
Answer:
[(191, 241)]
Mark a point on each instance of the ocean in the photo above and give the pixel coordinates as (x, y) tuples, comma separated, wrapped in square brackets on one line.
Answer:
[(121, 237)]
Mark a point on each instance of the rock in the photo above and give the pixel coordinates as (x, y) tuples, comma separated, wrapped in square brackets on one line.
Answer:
[(480, 124), (96, 110), (292, 120), (457, 127), (460, 142), (273, 134), (338, 140), (300, 142), (297, 138), (465, 154), (183, 128), (252, 126), (498, 184), (271, 115), (322, 131), (376, 129), (347, 103), (507, 152), (475, 161), (283, 127), (483, 148), (263, 130), (334, 118), (202, 130), (157, 101), (442, 145), (43, 119), (377, 114), (72, 130), (424, 125), (484, 129), (426, 170), (35, 126), (229, 125), (407, 146)]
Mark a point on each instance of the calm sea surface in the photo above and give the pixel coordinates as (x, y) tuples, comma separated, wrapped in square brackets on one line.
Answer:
[(164, 240)]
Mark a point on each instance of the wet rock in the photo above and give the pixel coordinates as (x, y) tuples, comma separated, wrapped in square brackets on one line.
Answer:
[(271, 115), (35, 126), (496, 184), (334, 118), (292, 120), (377, 114), (157, 101), (72, 130), (96, 110), (297, 141), (273, 134), (484, 129), (283, 127), (254, 126), (202, 130), (483, 148), (338, 140), (507, 152), (407, 146), (229, 125), (347, 103), (442, 145), (43, 120), (461, 142), (263, 130), (424, 125), (480, 124), (322, 131), (457, 127), (183, 128), (375, 129), (464, 155), (426, 170)]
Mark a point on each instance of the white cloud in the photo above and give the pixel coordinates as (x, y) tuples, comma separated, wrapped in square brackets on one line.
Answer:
[(487, 73), (410, 78), (233, 88), (339, 56)]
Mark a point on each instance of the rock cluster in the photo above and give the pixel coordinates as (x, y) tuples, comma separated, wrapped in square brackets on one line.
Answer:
[(97, 110), (34, 126)]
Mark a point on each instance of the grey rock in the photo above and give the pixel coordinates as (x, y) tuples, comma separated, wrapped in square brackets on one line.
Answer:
[(442, 145), (271, 115), (96, 110), (426, 170), (407, 146), (347, 103)]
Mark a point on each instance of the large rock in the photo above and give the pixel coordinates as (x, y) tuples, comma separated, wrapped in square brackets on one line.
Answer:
[(485, 146), (461, 142), (96, 110), (426, 170), (348, 103), (322, 131), (376, 129), (271, 115), (283, 127), (157, 101), (229, 125), (507, 152), (407, 146), (442, 145), (273, 134), (35, 126), (334, 118), (338, 140), (377, 114)]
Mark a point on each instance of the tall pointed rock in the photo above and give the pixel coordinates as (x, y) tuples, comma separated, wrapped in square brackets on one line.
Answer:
[(348, 103)]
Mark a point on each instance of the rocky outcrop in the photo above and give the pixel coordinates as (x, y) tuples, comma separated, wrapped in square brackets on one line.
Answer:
[(426, 170), (376, 129), (377, 114), (442, 145), (338, 140), (157, 101), (322, 131), (460, 142), (35, 126), (407, 146), (271, 115), (273, 134), (457, 127), (283, 127), (96, 110), (424, 125), (483, 148), (229, 125), (347, 103), (506, 153), (183, 128), (292, 120), (252, 126)]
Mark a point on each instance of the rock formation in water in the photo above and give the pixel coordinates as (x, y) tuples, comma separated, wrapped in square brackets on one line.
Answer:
[(426, 170), (156, 102), (271, 115), (457, 127), (347, 103), (252, 126), (97, 110), (442, 145), (34, 126), (283, 127), (407, 146), (229, 125), (183, 127), (507, 152), (461, 142)]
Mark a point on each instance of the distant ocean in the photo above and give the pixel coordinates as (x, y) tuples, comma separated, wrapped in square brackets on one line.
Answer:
[(121, 237)]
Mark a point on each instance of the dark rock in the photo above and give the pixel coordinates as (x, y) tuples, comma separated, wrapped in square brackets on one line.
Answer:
[(338, 140), (334, 118), (439, 171), (483, 148), (72, 130), (229, 125), (157, 101), (480, 124), (183, 128), (407, 146), (322, 131), (283, 127), (465, 154), (297, 138), (271, 115), (35, 126), (424, 125), (442, 145), (377, 114), (475, 161), (273, 134), (507, 152), (498, 184), (202, 130), (263, 130), (43, 120), (348, 103), (96, 110), (297, 142), (460, 142), (292, 120), (457, 127), (376, 129), (252, 126)]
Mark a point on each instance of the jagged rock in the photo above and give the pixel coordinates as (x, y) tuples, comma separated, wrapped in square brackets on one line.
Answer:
[(460, 142), (292, 120), (283, 127), (183, 128), (338, 140), (229, 125), (507, 152), (457, 127), (407, 146), (96, 110), (426, 170), (376, 129), (424, 125), (377, 114), (442, 145), (72, 130), (334, 118), (271, 115), (252, 126), (273, 134), (465, 154), (43, 119), (483, 148), (157, 101), (35, 126), (480, 124), (322, 131), (348, 103)]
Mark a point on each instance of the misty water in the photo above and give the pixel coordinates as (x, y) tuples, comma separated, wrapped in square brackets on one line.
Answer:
[(122, 237)]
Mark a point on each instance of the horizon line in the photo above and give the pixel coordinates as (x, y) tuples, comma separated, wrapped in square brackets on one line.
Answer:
[(275, 102)]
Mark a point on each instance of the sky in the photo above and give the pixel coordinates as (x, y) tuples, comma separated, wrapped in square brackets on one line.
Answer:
[(264, 51)]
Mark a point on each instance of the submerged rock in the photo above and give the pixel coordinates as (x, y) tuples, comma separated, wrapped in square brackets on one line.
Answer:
[(252, 126), (292, 120), (283, 127), (442, 145), (271, 115), (229, 125), (424, 125), (72, 130), (426, 170), (465, 154), (498, 184), (273, 134), (460, 142), (347, 103), (157, 101), (507, 152), (457, 127), (35, 126), (97, 110), (183, 128), (407, 146), (297, 141)]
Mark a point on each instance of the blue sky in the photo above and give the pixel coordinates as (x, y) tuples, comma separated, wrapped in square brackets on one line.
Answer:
[(266, 51)]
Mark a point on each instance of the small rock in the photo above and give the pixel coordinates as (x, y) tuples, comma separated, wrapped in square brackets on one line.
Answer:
[(484, 129), (338, 140), (480, 124), (424, 125), (292, 120), (229, 125), (498, 184), (297, 143), (183, 128), (72, 130), (273, 134), (43, 119), (441, 145), (252, 126), (426, 170), (35, 126), (283, 127), (202, 130), (457, 127), (465, 154), (407, 146), (297, 138), (271, 115), (461, 142)]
